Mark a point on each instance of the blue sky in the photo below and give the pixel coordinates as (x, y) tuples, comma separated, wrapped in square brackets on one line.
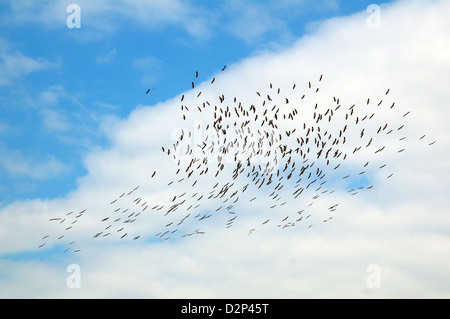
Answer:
[(51, 111), (77, 129)]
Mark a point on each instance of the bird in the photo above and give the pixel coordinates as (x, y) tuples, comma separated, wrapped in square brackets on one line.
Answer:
[(235, 135)]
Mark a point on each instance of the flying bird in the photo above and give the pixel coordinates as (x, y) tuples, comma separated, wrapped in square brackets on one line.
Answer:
[(283, 151)]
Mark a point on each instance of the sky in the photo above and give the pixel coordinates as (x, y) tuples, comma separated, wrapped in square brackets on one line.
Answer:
[(78, 129)]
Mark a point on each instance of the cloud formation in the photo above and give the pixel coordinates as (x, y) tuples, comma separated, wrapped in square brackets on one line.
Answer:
[(17, 164), (104, 17), (15, 65)]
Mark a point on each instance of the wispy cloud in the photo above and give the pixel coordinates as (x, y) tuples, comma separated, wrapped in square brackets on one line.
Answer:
[(100, 18), (55, 120), (17, 164), (146, 62), (55, 117), (150, 67), (15, 65), (107, 57), (251, 21), (52, 95)]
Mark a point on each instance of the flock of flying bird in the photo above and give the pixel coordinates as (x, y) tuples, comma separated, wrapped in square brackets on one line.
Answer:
[(279, 150)]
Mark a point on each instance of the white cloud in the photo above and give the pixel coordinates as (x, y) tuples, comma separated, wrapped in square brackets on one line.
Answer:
[(252, 20), (248, 21), (146, 62), (401, 225), (17, 164), (63, 113), (99, 18), (53, 95), (55, 121), (107, 57), (15, 65), (150, 66)]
